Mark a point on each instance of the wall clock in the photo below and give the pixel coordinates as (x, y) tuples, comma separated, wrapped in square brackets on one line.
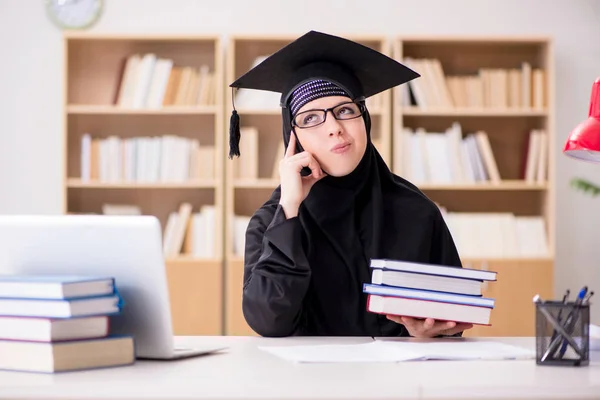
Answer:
[(74, 14)]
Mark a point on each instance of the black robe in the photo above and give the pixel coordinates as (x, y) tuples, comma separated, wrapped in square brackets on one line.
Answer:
[(305, 275)]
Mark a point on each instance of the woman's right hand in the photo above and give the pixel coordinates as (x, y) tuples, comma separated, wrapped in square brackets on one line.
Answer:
[(295, 187)]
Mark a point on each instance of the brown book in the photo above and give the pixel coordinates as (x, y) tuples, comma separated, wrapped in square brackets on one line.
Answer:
[(66, 356), (172, 86)]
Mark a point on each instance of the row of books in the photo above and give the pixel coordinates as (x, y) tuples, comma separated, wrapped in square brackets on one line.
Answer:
[(476, 234), (149, 81), (498, 88), (60, 323), (422, 290), (454, 157), (166, 158), (497, 235)]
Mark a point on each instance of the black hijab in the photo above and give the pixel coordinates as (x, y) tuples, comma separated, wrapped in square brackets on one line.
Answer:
[(345, 221), (349, 220)]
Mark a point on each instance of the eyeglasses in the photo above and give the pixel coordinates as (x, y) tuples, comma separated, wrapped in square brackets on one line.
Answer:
[(312, 118)]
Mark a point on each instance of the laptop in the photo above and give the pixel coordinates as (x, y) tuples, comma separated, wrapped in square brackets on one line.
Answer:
[(128, 248)]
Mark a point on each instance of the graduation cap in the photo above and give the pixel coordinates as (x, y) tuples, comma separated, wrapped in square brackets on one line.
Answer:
[(357, 69)]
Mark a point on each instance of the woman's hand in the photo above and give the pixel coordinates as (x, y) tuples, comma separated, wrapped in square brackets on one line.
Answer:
[(428, 328), (295, 187)]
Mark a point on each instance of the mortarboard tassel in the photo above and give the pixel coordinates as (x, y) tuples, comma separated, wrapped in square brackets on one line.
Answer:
[(234, 132)]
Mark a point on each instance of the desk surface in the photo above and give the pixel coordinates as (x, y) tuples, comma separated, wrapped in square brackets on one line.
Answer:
[(244, 371)]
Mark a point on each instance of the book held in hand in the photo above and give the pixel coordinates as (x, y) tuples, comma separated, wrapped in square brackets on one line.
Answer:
[(421, 290)]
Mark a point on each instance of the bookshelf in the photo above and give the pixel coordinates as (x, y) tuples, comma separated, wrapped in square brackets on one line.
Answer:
[(495, 199), (143, 128), (206, 289), (247, 190)]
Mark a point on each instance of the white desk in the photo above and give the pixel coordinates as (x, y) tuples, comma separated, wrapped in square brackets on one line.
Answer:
[(245, 372)]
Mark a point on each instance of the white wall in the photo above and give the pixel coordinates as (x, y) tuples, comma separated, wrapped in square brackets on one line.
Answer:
[(31, 85)]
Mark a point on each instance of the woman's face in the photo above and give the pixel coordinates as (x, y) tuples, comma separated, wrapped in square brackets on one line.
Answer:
[(338, 145)]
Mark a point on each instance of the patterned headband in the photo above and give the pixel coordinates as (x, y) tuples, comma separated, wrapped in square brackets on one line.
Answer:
[(313, 90)]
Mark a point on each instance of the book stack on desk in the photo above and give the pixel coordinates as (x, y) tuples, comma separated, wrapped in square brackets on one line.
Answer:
[(60, 323), (429, 291)]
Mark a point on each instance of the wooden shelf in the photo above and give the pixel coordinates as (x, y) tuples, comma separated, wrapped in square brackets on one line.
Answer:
[(507, 122), (104, 139), (467, 260), (256, 183), (504, 185), (78, 183), (189, 259), (471, 112), (115, 110)]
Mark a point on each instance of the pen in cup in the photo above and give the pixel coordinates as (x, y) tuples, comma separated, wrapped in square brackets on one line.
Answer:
[(572, 319), (558, 318)]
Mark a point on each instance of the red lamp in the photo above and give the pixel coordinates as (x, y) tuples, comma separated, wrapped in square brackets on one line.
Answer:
[(584, 141)]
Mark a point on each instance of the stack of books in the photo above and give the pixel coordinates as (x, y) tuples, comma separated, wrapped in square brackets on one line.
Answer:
[(421, 290), (60, 323)]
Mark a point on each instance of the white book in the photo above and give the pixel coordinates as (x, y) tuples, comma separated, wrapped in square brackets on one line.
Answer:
[(143, 80), (533, 154), (86, 157), (129, 81), (209, 224), (439, 164), (542, 164), (198, 235), (158, 84), (76, 307), (240, 226)]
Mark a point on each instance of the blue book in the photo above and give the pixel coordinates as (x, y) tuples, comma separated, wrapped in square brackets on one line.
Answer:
[(55, 286), (414, 303), (54, 308), (428, 295)]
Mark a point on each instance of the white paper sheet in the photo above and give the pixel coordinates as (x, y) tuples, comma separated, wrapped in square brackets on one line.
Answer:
[(397, 351), (463, 350)]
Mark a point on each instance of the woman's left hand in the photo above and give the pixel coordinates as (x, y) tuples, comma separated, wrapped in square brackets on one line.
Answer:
[(428, 328)]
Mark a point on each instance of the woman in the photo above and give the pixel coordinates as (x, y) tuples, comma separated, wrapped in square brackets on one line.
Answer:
[(338, 205)]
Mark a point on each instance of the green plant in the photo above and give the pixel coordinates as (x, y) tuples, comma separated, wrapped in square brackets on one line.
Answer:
[(585, 186)]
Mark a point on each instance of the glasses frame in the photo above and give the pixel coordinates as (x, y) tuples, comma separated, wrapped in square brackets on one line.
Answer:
[(361, 107)]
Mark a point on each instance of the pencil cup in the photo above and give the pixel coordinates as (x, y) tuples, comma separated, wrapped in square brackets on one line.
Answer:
[(562, 333)]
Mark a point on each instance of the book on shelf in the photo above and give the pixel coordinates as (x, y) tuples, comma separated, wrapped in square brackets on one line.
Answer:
[(240, 225), (454, 157), (422, 290), (522, 87), (51, 323), (150, 81), (145, 159)]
